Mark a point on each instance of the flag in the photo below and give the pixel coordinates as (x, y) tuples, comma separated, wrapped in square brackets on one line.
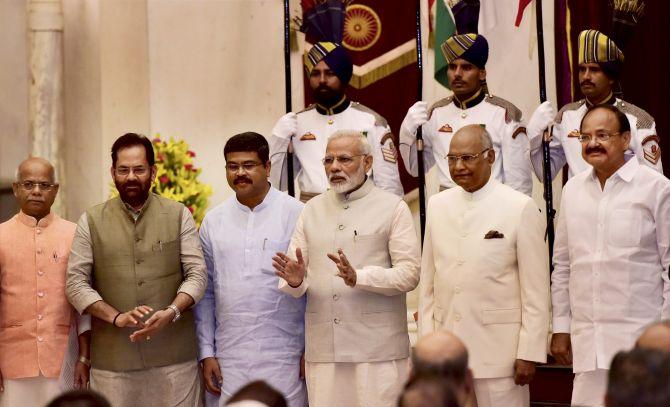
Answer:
[(445, 27), (519, 14)]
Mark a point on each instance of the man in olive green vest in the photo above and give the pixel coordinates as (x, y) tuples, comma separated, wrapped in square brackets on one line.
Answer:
[(137, 267)]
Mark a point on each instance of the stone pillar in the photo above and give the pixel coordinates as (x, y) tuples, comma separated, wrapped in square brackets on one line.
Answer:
[(45, 25)]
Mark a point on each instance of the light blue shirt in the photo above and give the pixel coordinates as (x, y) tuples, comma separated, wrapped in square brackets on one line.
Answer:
[(255, 331)]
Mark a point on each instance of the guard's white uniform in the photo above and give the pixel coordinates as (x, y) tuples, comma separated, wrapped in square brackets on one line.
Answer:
[(501, 119), (315, 125), (566, 148)]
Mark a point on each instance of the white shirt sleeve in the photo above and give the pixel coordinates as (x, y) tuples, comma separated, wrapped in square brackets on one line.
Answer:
[(560, 278), (385, 171), (515, 161)]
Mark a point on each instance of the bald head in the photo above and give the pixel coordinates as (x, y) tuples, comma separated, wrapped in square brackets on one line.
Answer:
[(439, 347), (35, 187), (471, 157), (35, 165), (656, 336)]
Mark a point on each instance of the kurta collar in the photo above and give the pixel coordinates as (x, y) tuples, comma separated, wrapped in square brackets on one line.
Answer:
[(482, 192), (473, 100), (357, 194), (32, 222), (626, 172), (267, 201), (338, 107)]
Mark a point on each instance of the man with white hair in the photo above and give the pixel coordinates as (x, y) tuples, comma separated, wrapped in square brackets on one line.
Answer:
[(356, 255), (484, 273)]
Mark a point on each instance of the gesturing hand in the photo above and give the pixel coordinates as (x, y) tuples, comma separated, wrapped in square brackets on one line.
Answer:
[(133, 318), (291, 271), (346, 272), (81, 375)]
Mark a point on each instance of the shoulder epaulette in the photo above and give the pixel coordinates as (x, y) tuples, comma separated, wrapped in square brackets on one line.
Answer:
[(644, 119), (511, 112), (308, 108), (440, 103), (570, 106), (379, 120)]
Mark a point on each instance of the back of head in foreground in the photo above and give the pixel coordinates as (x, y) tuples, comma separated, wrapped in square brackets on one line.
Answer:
[(639, 377)]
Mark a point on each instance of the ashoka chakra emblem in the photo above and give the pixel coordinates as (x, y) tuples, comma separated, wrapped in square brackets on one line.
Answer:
[(362, 28)]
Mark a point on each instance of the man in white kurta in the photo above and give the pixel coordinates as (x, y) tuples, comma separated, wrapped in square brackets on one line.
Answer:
[(247, 329), (611, 255), (329, 69), (484, 273), (354, 254)]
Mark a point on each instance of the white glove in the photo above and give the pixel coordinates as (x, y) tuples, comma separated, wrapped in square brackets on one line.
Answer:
[(286, 127), (542, 118), (416, 116)]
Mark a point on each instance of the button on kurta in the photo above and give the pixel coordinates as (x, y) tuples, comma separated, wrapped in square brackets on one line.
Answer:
[(336, 320), (341, 227), (40, 339), (457, 317), (38, 231), (40, 317), (336, 297), (40, 273), (39, 251), (40, 294)]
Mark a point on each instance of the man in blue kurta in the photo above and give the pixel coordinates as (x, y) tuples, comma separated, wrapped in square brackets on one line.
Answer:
[(247, 329)]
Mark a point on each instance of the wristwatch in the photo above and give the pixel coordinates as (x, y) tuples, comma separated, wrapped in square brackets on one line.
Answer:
[(177, 313)]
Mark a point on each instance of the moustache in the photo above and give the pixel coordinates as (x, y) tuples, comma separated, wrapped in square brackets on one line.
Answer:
[(132, 184), (586, 83), (590, 150), (240, 180)]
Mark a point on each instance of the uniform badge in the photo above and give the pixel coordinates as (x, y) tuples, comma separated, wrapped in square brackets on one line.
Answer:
[(651, 148), (518, 131), (446, 128), (574, 133), (389, 153), (308, 136)]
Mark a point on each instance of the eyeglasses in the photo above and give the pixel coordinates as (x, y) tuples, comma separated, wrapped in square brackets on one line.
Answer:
[(247, 166), (466, 158), (342, 159), (599, 137), (139, 171), (29, 185)]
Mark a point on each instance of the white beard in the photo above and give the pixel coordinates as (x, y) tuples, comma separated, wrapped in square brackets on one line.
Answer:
[(350, 183)]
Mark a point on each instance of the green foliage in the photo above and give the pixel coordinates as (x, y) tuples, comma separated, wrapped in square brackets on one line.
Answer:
[(177, 177)]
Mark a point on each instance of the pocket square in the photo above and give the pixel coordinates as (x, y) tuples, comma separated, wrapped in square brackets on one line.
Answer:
[(308, 136), (493, 234)]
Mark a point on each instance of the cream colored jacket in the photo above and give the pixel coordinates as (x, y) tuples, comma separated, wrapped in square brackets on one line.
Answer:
[(485, 276), (368, 322)]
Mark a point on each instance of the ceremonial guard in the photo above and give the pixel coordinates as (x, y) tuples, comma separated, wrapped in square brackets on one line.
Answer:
[(600, 63), (329, 68), (466, 56)]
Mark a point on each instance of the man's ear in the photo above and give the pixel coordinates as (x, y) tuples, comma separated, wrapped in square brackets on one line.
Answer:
[(368, 162), (154, 170), (482, 74), (626, 139)]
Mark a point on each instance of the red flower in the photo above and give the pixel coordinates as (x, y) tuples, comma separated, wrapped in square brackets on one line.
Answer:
[(188, 167), (160, 157), (164, 179), (157, 140), (190, 153), (190, 208)]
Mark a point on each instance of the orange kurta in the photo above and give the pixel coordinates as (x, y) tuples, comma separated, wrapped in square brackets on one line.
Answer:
[(35, 316)]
